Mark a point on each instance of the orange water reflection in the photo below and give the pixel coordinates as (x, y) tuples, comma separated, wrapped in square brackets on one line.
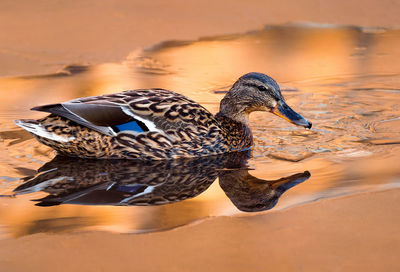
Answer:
[(345, 80)]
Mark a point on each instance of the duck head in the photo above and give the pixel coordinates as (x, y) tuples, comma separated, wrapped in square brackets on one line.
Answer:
[(258, 92)]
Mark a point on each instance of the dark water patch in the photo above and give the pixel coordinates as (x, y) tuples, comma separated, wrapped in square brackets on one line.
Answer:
[(68, 70), (381, 141), (74, 69), (15, 136)]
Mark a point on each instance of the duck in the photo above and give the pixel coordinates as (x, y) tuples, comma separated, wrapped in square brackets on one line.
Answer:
[(157, 124)]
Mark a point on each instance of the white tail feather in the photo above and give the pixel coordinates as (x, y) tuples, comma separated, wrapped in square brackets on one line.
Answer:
[(39, 130)]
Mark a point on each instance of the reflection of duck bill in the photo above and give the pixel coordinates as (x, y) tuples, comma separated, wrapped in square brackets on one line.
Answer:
[(250, 194), (284, 184)]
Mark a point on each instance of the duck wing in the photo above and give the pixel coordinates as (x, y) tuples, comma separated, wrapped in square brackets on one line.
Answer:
[(137, 111), (100, 117)]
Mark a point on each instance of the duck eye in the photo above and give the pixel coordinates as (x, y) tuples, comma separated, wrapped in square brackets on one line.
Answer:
[(262, 88)]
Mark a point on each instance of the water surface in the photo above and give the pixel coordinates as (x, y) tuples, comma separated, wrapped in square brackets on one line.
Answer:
[(345, 80)]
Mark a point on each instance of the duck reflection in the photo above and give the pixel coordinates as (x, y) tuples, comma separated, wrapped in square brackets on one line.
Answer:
[(251, 194), (145, 183)]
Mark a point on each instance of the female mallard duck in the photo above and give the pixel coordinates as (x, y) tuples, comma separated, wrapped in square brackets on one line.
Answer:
[(157, 123)]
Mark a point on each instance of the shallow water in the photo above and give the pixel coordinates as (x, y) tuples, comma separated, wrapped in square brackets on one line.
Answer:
[(345, 80)]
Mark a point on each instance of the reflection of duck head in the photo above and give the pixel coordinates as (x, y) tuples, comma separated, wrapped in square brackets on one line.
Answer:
[(250, 194), (143, 183)]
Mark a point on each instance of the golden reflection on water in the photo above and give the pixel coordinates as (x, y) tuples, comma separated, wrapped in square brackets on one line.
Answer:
[(345, 80)]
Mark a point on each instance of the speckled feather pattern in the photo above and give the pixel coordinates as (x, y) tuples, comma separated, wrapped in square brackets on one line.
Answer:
[(184, 129)]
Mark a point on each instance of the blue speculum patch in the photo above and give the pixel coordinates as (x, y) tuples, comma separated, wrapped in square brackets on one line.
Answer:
[(133, 189), (134, 125)]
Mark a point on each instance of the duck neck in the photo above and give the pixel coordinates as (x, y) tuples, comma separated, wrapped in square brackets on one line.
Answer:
[(235, 126), (234, 111)]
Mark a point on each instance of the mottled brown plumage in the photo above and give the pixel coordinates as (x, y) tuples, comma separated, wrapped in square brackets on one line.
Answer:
[(156, 123)]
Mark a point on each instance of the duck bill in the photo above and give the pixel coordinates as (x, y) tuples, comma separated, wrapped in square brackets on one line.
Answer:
[(285, 112)]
